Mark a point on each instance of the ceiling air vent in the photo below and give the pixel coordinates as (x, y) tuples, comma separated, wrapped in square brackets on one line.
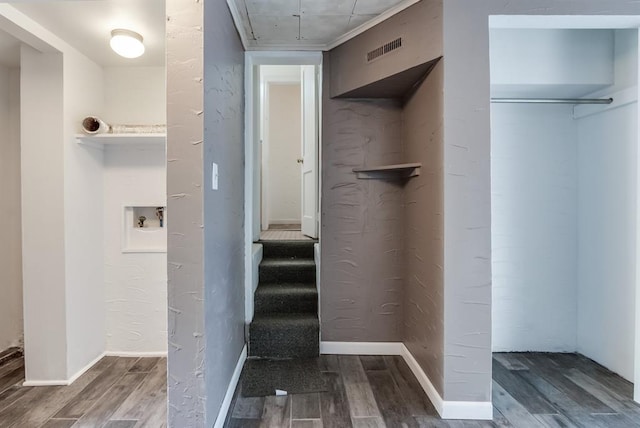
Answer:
[(384, 49)]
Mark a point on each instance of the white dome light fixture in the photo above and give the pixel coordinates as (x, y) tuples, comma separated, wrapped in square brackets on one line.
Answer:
[(127, 43)]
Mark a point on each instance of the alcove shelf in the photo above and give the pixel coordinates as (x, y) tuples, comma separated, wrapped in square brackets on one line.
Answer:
[(403, 170), (101, 140)]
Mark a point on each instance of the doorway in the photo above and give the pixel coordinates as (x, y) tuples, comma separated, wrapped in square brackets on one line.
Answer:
[(564, 185), (288, 151), (282, 164)]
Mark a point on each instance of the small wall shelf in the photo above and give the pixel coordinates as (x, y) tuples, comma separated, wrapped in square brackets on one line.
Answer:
[(403, 170), (102, 140)]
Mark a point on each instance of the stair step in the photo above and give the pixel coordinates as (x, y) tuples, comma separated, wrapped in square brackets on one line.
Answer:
[(286, 298), (277, 271), (287, 249), (284, 336)]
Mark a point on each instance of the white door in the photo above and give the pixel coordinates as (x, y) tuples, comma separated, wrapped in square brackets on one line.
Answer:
[(309, 151)]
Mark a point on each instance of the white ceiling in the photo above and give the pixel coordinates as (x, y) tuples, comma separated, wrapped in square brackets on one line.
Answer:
[(86, 25), (310, 23), (286, 24)]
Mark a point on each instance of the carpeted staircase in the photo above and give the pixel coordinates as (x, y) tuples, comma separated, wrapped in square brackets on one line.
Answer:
[(284, 336), (285, 322)]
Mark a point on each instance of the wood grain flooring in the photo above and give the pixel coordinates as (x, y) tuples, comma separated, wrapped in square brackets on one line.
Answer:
[(114, 393), (530, 390)]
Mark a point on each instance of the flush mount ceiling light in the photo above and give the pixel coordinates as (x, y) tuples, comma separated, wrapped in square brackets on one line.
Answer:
[(127, 43)]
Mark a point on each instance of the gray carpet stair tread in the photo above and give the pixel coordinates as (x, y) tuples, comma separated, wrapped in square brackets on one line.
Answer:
[(282, 319), (287, 270), (288, 249), (286, 298), (298, 289), (284, 336), (262, 377), (294, 263)]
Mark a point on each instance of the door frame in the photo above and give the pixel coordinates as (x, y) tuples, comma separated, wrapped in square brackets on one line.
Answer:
[(252, 165)]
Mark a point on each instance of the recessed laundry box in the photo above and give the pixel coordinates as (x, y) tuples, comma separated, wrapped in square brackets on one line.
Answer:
[(144, 229)]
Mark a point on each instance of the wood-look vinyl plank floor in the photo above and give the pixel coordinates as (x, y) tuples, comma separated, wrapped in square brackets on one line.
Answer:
[(134, 389), (534, 390), (530, 390)]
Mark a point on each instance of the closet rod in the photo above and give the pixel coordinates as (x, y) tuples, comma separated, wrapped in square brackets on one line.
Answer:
[(553, 100)]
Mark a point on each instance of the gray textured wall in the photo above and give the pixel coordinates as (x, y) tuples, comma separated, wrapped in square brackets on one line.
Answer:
[(187, 345), (424, 223), (205, 253), (467, 269), (362, 221), (223, 208), (420, 27)]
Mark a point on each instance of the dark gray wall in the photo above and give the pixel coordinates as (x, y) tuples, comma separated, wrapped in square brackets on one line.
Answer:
[(467, 190), (420, 27), (362, 221), (424, 223), (206, 307), (185, 247), (223, 208)]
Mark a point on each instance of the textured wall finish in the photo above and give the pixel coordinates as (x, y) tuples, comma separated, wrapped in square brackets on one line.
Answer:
[(467, 181), (223, 208), (362, 221), (135, 283), (11, 323), (185, 251), (420, 27), (423, 308)]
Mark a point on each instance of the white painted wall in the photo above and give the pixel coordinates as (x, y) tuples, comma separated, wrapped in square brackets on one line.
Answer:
[(533, 227), (607, 223), (552, 63), (83, 182), (135, 95), (285, 174), (11, 330), (43, 246), (135, 283)]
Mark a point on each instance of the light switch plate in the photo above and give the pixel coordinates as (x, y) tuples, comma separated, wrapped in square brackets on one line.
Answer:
[(214, 176)]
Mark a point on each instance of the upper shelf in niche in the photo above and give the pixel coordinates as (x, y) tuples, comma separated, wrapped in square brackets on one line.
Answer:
[(399, 85), (101, 140)]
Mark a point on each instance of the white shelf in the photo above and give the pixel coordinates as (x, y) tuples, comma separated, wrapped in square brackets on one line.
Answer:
[(404, 170), (102, 140)]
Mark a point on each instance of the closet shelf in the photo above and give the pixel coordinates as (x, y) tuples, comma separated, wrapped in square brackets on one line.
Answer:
[(101, 140), (403, 170)]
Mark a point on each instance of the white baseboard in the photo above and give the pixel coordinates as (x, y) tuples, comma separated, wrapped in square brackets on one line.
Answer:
[(469, 410), (226, 403), (361, 348), (64, 382), (128, 354)]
